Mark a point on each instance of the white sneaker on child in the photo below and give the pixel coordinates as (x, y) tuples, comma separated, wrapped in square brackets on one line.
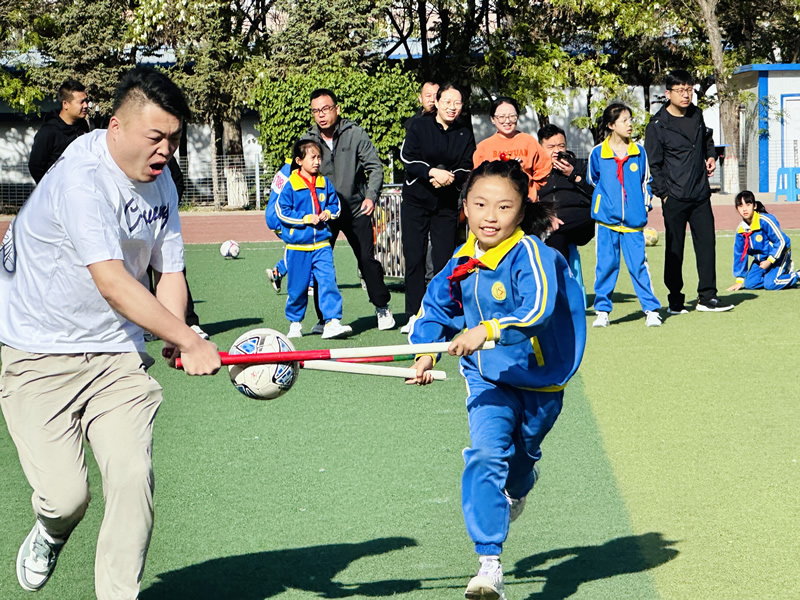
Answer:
[(295, 330), (335, 329), (652, 319), (601, 320), (407, 327), (488, 583)]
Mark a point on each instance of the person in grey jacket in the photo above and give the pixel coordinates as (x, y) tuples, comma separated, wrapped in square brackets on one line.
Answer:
[(351, 163)]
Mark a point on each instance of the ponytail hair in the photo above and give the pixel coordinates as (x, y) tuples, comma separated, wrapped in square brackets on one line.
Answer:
[(538, 216), (748, 197)]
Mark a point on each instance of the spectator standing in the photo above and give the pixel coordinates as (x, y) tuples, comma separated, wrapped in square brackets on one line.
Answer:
[(508, 143), (74, 359), (351, 163), (567, 187), (682, 158), (59, 129), (437, 155), (427, 101)]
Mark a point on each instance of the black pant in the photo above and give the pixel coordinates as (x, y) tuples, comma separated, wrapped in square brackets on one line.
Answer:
[(361, 237), (700, 218), (416, 223), (578, 229)]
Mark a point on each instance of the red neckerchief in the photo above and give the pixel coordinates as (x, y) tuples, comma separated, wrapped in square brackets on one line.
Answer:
[(312, 186), (747, 235), (620, 174), (460, 273)]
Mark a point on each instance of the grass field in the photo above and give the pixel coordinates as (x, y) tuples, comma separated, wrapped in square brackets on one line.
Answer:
[(672, 472)]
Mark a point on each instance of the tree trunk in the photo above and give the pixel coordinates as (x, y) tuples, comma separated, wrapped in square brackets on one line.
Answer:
[(728, 98), (216, 157), (235, 179)]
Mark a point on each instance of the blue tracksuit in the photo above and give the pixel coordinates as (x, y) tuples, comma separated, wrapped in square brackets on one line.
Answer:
[(532, 307), (308, 248), (271, 216), (764, 240), (621, 214)]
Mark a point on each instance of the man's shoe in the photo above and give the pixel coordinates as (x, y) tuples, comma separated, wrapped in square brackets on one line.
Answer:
[(488, 583), (275, 279), (713, 305), (679, 309), (651, 319), (295, 330), (407, 327), (334, 329), (318, 328), (385, 318), (36, 558), (601, 320), (200, 332)]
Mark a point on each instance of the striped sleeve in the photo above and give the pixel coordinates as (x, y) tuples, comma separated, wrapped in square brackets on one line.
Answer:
[(777, 239), (536, 283)]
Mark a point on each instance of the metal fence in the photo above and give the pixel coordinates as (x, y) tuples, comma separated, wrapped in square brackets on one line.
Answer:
[(238, 183)]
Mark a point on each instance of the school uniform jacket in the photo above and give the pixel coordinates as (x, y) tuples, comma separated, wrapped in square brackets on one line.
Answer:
[(280, 179), (610, 206), (294, 207), (763, 239), (528, 301)]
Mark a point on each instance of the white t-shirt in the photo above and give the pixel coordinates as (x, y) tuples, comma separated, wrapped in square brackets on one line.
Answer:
[(84, 211)]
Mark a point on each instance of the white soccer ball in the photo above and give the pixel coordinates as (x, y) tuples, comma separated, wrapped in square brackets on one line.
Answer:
[(229, 249), (263, 382)]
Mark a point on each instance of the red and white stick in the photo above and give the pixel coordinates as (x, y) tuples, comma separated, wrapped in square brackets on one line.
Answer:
[(334, 353)]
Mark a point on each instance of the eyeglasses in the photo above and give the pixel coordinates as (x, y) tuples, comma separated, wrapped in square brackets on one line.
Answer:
[(324, 110), (506, 118), (452, 104), (684, 91)]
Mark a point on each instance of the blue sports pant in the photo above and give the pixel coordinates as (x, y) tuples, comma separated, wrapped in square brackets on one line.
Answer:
[(778, 277), (506, 427), (280, 267), (608, 246), (302, 264)]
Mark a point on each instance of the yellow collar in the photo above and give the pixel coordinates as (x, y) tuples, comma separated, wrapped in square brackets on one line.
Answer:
[(299, 184), (755, 224), (492, 257), (607, 152)]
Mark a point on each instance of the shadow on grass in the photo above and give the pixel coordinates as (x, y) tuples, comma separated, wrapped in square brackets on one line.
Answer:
[(582, 564), (223, 326), (267, 574)]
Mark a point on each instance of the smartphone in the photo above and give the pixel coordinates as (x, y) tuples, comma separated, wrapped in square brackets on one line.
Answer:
[(562, 156)]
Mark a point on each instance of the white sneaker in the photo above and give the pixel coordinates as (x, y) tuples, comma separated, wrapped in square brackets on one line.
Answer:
[(275, 279), (311, 291), (335, 329), (651, 319), (488, 583), (318, 328), (385, 318), (517, 505), (200, 332), (295, 330), (407, 327), (36, 558), (601, 320)]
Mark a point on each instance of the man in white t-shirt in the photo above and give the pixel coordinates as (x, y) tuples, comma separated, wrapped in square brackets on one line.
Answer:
[(72, 314)]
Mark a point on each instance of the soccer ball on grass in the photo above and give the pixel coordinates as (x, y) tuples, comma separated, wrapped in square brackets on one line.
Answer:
[(650, 236), (229, 249), (263, 382)]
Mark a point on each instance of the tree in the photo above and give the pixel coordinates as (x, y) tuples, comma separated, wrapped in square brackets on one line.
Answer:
[(16, 89), (377, 101)]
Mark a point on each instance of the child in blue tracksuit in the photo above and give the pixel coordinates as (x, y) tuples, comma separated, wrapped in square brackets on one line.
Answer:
[(305, 204), (278, 272), (619, 172), (759, 235), (508, 287)]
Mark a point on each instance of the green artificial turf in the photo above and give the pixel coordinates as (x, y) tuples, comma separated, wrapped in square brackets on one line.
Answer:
[(668, 475)]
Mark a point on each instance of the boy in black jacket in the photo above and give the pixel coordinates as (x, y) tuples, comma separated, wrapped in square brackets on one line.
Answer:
[(682, 158)]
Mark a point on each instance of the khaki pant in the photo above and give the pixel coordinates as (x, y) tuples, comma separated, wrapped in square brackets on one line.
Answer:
[(50, 402)]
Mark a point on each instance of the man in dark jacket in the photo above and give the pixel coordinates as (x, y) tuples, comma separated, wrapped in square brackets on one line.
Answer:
[(567, 187), (59, 129), (681, 154), (352, 164)]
